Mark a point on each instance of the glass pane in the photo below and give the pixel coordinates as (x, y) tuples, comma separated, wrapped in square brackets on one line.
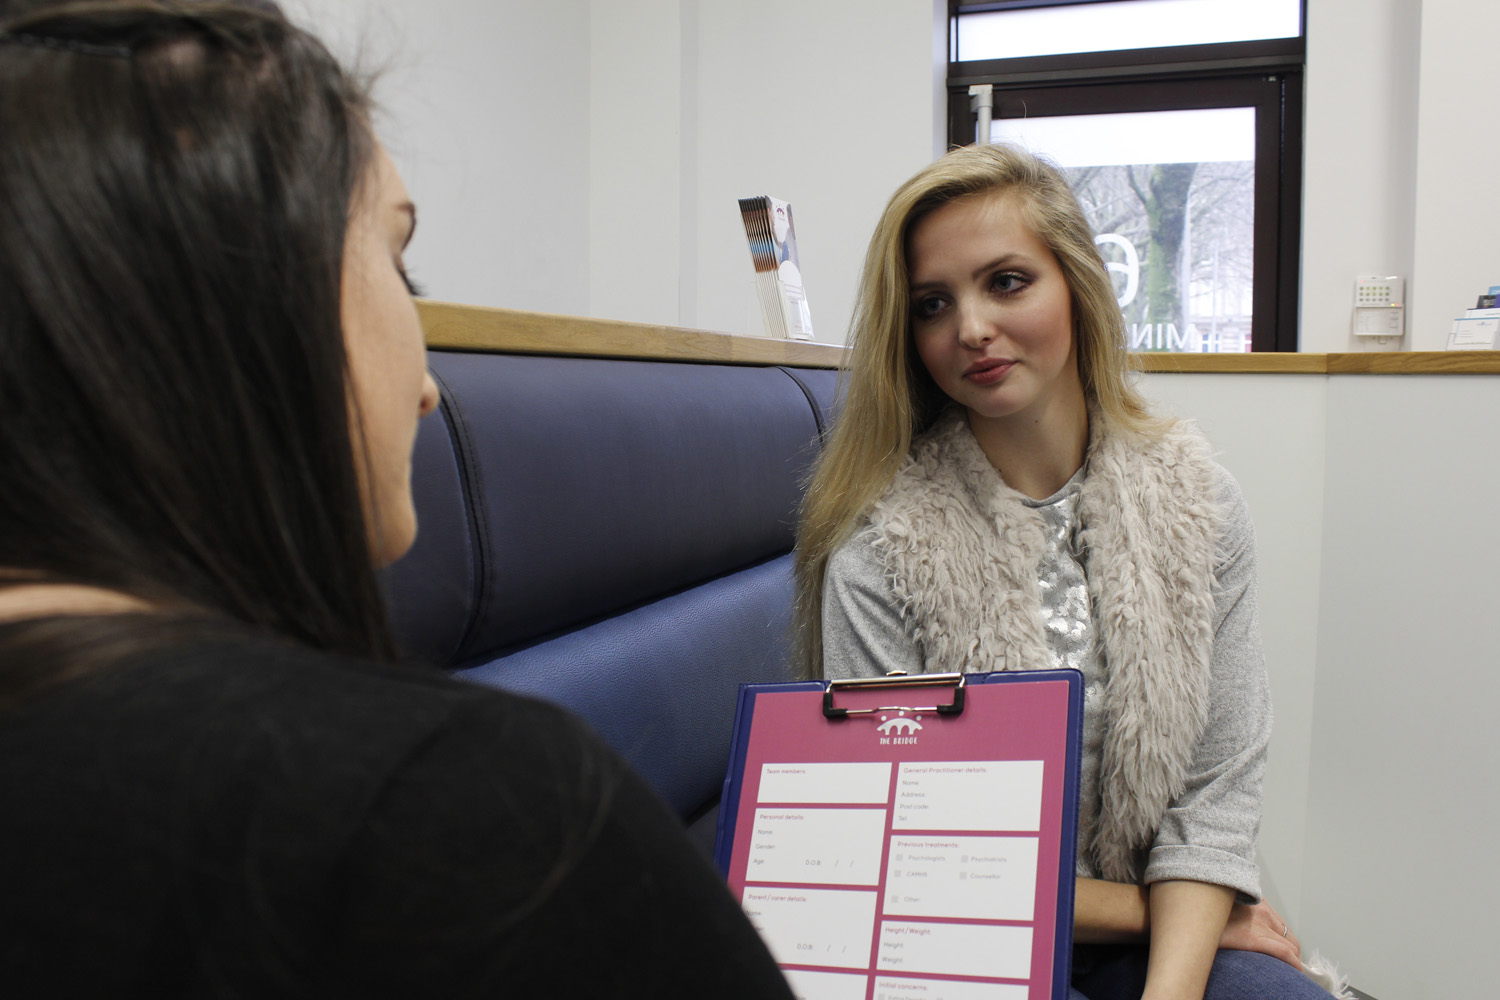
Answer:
[(1171, 197), (1137, 24)]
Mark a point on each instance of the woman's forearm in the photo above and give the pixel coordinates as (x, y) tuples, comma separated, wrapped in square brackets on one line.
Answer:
[(1110, 912), (1187, 920)]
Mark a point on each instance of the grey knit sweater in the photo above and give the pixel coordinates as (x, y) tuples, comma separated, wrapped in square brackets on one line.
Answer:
[(1208, 831)]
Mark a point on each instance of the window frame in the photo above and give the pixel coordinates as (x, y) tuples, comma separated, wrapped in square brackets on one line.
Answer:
[(1270, 72)]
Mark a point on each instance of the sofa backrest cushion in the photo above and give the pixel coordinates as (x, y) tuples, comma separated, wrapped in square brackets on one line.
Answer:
[(560, 491)]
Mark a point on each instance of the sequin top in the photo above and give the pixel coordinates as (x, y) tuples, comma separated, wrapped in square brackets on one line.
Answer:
[(1068, 622)]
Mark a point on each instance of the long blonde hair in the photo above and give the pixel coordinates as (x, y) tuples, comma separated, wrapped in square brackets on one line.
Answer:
[(888, 395)]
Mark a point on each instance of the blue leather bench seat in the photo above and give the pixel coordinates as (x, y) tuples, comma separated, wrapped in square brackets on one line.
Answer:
[(613, 536)]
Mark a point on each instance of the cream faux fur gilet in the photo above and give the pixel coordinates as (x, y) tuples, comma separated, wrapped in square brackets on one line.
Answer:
[(962, 555)]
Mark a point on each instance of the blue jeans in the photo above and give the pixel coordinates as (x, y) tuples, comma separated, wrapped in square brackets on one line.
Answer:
[(1118, 972)]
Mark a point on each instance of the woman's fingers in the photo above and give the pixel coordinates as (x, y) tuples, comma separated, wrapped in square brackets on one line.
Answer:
[(1286, 934), (1260, 928)]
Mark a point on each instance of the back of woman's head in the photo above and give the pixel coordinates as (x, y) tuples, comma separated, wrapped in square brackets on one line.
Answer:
[(175, 185)]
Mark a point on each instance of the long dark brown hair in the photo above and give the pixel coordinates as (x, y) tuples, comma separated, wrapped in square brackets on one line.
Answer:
[(175, 186)]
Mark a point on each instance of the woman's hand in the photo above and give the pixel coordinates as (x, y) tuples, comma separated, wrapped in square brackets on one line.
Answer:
[(1260, 928)]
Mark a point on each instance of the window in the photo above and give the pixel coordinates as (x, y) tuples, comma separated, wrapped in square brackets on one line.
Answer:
[(1186, 154)]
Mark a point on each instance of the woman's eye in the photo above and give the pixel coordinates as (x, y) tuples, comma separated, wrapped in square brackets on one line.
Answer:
[(928, 307), (416, 290), (1007, 283)]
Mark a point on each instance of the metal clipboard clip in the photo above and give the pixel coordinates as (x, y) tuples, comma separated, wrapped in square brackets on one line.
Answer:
[(955, 681)]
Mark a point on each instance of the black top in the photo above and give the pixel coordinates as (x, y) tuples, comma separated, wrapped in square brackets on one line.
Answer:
[(239, 819)]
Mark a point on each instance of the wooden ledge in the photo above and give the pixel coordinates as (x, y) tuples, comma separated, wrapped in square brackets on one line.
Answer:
[(512, 331), (1302, 364), (1369, 363), (1416, 363)]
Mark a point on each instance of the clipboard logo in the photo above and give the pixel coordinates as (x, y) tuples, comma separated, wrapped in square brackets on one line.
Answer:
[(899, 729)]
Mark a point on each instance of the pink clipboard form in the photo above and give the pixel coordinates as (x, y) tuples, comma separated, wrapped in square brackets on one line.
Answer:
[(909, 837)]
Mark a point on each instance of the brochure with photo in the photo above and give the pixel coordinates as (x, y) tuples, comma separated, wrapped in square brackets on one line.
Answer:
[(778, 274)]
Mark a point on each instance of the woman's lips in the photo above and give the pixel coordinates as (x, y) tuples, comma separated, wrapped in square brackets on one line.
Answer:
[(988, 370)]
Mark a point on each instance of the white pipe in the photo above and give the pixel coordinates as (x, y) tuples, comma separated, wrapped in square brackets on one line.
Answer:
[(982, 100)]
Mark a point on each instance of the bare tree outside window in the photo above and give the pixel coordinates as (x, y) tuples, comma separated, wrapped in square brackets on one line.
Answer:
[(1179, 238)]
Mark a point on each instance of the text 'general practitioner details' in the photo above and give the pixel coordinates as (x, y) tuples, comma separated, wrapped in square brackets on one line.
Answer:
[(933, 873)]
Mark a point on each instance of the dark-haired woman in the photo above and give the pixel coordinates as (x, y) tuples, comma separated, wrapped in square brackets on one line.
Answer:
[(216, 780)]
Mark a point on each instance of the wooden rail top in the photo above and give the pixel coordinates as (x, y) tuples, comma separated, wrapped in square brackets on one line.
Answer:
[(512, 331), (1370, 363)]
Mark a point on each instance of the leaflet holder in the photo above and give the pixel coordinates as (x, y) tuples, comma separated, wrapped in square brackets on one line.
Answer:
[(955, 681)]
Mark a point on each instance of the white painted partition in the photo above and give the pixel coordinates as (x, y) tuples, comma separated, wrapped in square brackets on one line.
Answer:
[(1380, 575), (1402, 816)]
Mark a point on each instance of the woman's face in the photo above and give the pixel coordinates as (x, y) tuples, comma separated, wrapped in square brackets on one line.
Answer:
[(387, 359), (992, 317)]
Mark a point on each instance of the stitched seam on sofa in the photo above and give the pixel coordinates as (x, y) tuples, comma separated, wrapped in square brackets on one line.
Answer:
[(501, 652), (472, 489), (812, 401)]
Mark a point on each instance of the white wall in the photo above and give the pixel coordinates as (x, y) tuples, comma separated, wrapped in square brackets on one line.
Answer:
[(1402, 810), (1456, 257), (1397, 175), (640, 125), (484, 109), (1360, 161), (586, 156), (1377, 589), (828, 105), (698, 103)]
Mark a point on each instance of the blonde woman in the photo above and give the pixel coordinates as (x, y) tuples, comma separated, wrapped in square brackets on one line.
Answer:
[(996, 496)]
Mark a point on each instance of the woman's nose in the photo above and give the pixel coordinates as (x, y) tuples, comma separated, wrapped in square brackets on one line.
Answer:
[(429, 400), (976, 327)]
